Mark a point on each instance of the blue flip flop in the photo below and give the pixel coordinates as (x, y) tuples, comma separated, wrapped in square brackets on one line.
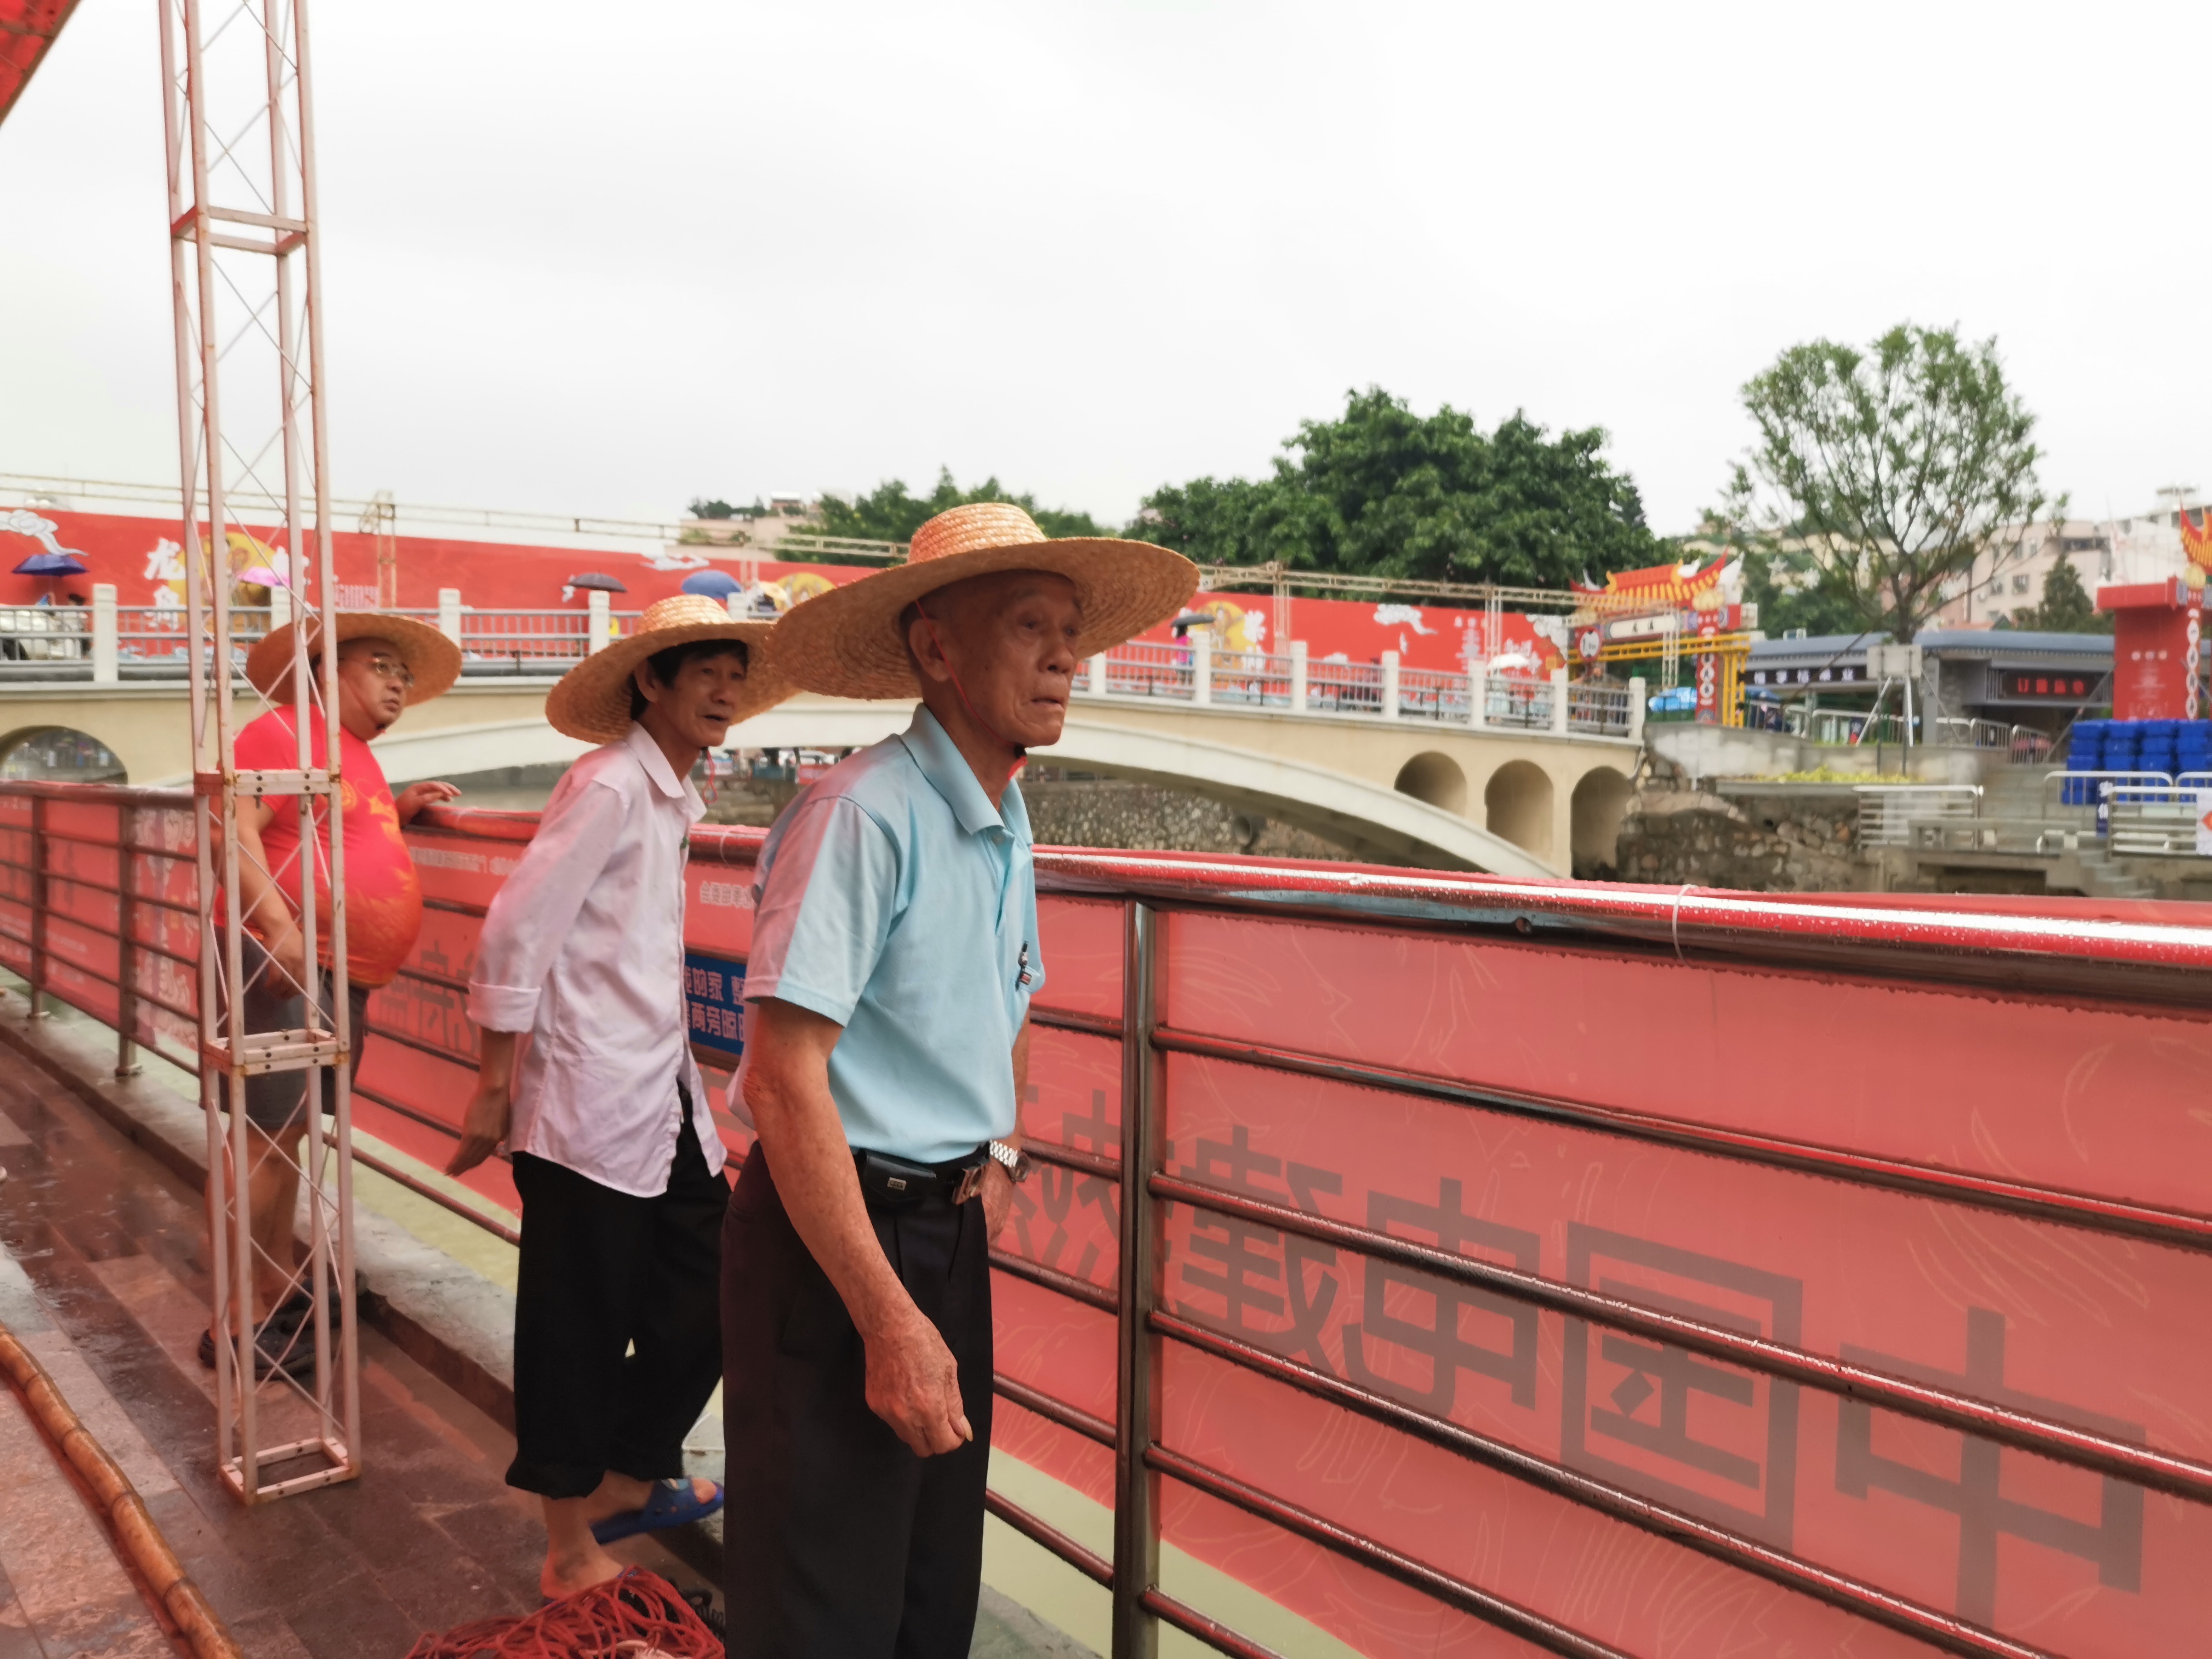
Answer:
[(673, 1503)]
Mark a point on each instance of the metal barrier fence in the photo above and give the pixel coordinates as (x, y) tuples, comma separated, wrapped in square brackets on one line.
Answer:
[(1889, 813), (1367, 1270), (2021, 743)]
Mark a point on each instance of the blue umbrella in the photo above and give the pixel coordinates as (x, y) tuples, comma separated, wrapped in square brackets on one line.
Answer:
[(52, 564), (713, 584)]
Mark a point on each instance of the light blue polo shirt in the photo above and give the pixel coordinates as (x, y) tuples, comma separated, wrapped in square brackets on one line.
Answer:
[(892, 899)]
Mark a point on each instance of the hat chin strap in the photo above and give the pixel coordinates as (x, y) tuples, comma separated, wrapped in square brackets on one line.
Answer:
[(1021, 750)]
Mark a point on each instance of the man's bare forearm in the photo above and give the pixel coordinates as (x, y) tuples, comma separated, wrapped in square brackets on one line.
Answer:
[(787, 1091), (264, 903)]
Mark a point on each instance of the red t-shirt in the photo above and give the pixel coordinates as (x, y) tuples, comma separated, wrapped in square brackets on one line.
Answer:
[(384, 896)]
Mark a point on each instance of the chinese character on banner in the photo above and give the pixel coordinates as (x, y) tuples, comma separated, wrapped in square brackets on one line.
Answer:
[(715, 990), (1449, 1343), (2112, 1542), (1692, 1433), (1254, 1269)]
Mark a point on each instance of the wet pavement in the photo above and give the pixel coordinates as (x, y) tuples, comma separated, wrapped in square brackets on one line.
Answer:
[(106, 1284)]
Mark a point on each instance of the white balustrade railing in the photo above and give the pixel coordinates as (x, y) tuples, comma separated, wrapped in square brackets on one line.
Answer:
[(140, 640), (1424, 694), (1335, 686)]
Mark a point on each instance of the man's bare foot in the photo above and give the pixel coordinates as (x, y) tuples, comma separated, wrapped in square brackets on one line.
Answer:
[(568, 1571)]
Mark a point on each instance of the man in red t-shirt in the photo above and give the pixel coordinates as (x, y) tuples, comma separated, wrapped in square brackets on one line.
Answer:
[(384, 664)]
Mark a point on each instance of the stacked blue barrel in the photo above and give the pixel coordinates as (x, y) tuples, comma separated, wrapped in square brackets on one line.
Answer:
[(2171, 749)]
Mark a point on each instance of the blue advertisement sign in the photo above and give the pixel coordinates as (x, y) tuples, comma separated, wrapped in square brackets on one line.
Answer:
[(715, 988)]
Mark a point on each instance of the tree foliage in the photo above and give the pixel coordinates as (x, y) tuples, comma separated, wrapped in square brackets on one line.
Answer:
[(2067, 606), (1384, 491), (891, 512), (1893, 469)]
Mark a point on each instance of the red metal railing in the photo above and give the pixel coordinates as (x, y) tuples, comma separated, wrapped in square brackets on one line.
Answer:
[(1624, 1270)]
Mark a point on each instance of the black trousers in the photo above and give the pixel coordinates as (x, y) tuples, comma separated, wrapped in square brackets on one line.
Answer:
[(839, 1542), (603, 1272)]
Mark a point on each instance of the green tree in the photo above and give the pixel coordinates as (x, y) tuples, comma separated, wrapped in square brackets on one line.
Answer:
[(1894, 469), (1384, 491), (2066, 606), (892, 513)]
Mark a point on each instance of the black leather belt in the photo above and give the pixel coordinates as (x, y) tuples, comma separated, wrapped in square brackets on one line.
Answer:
[(898, 1183)]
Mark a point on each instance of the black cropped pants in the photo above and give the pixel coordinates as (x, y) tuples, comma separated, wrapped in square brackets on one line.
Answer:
[(618, 1328)]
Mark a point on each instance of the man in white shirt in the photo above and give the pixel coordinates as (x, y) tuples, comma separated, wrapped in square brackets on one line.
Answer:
[(617, 1335)]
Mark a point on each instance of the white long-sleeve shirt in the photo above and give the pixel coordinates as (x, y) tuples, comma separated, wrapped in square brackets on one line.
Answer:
[(583, 949)]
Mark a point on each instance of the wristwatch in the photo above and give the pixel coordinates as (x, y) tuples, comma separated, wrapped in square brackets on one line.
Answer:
[(1012, 1159)]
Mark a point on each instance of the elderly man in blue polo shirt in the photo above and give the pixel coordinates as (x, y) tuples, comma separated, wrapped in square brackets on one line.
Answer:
[(894, 955)]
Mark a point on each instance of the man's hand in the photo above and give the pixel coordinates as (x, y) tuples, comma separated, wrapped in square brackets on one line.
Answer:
[(288, 951), (483, 1126), (417, 796), (998, 1198), (913, 1385)]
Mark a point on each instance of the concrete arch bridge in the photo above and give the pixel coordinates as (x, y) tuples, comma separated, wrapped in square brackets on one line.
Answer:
[(1390, 770)]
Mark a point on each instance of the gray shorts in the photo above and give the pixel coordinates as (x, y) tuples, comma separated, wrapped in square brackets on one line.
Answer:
[(275, 1100)]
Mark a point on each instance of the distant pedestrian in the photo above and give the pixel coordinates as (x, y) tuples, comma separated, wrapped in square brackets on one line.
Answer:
[(618, 1338), (893, 959)]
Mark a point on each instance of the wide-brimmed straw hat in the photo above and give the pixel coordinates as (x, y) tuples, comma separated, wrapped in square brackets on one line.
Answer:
[(431, 658), (847, 642), (592, 702)]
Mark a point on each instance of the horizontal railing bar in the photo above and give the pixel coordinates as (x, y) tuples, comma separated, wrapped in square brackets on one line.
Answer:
[(1073, 1417), (1067, 1019), (1193, 1623), (1074, 1158), (1080, 1290), (422, 1188), (456, 907), (415, 1115), (1092, 1564), (2178, 1228), (423, 975), (2044, 1435), (1854, 1596), (464, 1061), (1494, 1610)]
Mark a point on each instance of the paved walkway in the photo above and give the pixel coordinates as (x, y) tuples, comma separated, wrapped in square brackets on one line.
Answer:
[(105, 1280), (103, 1276)]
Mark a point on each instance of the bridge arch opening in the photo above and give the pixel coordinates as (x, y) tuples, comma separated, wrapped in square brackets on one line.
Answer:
[(1594, 816), (1516, 806), (1436, 779), (58, 754)]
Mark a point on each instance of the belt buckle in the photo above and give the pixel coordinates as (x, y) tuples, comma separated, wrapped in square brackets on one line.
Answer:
[(971, 1183)]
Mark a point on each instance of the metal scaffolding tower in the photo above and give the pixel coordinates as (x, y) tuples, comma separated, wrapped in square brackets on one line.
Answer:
[(250, 414)]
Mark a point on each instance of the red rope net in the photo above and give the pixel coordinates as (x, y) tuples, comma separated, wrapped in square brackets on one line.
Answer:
[(639, 1615)]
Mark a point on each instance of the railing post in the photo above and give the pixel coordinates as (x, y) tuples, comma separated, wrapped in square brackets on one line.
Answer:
[(1478, 692), (126, 954), (38, 975), (1636, 700), (280, 607), (1098, 687), (104, 641), (449, 613), (601, 627), (1137, 1378), (1201, 667), (1559, 702), (1390, 685), (1298, 677)]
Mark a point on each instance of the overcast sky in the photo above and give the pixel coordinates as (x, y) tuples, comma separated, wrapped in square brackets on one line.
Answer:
[(594, 259)]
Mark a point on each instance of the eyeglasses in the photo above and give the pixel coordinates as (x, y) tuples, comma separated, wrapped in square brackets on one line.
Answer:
[(390, 668)]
